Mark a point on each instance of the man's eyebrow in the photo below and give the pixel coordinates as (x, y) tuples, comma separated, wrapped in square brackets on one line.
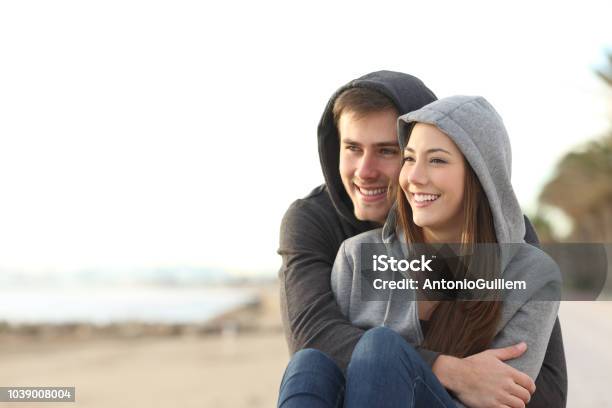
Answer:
[(433, 150), (381, 144), (387, 144)]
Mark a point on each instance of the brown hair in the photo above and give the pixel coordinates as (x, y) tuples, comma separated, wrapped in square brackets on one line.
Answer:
[(361, 101), (461, 327)]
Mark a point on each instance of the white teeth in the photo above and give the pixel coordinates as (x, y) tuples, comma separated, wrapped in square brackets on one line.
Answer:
[(419, 198), (372, 192)]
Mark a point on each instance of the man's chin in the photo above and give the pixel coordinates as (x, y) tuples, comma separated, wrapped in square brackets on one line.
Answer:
[(369, 216)]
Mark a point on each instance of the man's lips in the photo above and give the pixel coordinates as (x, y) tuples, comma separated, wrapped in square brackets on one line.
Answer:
[(371, 194)]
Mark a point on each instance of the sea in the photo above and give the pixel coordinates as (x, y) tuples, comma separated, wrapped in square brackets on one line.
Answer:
[(145, 298)]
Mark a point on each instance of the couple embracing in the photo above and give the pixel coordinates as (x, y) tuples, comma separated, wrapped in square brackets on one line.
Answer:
[(403, 169)]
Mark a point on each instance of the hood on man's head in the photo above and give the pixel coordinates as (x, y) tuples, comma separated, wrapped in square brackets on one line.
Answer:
[(479, 132), (407, 94)]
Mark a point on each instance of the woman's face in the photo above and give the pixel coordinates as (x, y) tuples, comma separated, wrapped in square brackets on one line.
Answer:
[(433, 178)]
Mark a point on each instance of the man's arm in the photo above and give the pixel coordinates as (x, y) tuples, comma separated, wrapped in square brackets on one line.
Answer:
[(551, 384), (311, 316)]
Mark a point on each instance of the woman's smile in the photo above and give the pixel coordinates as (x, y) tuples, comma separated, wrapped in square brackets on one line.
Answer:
[(422, 200)]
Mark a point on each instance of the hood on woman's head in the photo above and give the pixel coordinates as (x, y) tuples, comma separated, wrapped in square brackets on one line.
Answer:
[(479, 133)]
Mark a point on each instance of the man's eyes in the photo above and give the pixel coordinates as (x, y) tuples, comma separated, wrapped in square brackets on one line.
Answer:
[(385, 151), (389, 151)]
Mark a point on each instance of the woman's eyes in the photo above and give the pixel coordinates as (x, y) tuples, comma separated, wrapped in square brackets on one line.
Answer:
[(433, 160)]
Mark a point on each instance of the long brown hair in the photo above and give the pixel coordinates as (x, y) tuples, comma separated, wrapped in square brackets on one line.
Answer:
[(461, 327)]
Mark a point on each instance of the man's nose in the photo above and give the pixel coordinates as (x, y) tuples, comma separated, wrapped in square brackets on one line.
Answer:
[(367, 167)]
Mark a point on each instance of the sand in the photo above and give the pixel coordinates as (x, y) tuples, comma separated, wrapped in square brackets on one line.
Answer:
[(184, 372), (230, 369), (237, 369)]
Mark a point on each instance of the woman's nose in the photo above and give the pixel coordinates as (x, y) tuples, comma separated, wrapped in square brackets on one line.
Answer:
[(417, 173)]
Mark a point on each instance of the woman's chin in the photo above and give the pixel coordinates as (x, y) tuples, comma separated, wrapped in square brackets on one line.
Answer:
[(422, 222)]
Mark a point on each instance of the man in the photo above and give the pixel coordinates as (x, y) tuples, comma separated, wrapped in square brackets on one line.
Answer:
[(359, 155)]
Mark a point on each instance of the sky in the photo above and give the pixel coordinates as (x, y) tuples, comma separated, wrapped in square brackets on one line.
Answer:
[(176, 133)]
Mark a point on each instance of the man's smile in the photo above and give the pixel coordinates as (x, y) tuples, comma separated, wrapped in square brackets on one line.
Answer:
[(371, 194)]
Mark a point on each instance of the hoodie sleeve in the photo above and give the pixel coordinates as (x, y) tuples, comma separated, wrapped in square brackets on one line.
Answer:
[(531, 320), (533, 324), (311, 316)]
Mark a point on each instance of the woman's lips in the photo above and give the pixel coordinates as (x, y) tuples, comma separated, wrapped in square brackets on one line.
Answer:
[(422, 200)]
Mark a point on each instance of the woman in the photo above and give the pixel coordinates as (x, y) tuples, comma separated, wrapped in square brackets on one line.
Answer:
[(454, 187)]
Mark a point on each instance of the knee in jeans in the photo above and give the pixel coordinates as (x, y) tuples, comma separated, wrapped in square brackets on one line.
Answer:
[(308, 358), (378, 344), (380, 338), (383, 347)]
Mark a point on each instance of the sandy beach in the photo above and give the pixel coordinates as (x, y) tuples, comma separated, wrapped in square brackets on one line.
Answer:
[(241, 369), (238, 366)]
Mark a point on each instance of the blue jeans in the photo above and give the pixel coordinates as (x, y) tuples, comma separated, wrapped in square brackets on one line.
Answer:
[(384, 371)]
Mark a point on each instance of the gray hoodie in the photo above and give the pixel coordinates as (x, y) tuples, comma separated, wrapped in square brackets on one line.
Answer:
[(479, 133)]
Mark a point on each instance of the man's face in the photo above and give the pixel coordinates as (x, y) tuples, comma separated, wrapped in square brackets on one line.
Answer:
[(369, 162)]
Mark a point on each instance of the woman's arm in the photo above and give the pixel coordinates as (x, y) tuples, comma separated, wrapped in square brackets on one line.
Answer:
[(529, 315), (500, 375), (465, 376), (531, 321)]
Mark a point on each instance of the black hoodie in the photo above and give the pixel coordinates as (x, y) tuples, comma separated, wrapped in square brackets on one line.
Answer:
[(314, 227)]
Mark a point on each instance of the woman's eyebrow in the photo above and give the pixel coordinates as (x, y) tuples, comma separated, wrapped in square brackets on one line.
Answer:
[(432, 150)]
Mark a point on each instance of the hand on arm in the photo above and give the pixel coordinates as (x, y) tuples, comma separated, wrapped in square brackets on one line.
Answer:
[(484, 380)]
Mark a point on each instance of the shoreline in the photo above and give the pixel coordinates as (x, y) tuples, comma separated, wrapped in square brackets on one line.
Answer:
[(253, 314)]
